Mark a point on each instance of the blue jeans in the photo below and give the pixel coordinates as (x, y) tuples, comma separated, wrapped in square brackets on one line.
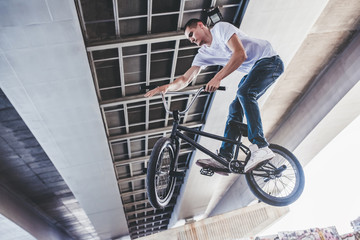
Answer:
[(251, 87)]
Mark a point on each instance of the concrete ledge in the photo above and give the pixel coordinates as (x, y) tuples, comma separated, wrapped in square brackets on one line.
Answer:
[(245, 222)]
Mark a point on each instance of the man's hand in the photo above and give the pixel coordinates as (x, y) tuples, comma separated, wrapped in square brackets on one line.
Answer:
[(212, 85), (157, 90)]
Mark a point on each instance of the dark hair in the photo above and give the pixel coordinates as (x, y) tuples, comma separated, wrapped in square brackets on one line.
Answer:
[(192, 23)]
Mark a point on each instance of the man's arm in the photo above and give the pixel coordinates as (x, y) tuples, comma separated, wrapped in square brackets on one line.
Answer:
[(177, 84), (237, 58)]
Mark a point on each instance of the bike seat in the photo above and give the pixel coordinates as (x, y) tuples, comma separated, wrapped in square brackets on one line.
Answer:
[(243, 128)]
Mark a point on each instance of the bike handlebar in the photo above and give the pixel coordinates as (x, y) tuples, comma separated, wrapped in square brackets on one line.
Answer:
[(150, 87), (197, 93)]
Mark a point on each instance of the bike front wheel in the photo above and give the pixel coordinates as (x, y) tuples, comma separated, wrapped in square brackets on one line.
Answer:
[(280, 181), (160, 183)]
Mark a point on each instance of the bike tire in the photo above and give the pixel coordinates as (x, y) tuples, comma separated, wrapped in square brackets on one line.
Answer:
[(160, 184), (277, 189)]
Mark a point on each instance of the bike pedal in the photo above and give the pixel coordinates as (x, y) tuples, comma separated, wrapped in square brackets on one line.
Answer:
[(206, 172)]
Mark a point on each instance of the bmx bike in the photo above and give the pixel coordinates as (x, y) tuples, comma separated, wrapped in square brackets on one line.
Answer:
[(278, 181)]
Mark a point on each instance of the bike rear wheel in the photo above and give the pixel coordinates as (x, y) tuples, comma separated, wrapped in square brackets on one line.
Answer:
[(280, 181), (160, 183)]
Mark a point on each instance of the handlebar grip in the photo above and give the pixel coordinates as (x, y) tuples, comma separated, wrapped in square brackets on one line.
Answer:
[(221, 88)]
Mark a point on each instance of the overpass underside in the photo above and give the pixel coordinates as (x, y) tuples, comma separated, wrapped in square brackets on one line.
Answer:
[(63, 170)]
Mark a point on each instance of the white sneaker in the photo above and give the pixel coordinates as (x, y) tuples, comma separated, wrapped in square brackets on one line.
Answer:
[(258, 155)]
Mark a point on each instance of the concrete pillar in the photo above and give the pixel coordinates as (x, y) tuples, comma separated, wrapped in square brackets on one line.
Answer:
[(324, 94)]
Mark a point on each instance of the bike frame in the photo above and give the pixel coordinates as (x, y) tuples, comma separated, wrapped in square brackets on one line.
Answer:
[(176, 134), (193, 143)]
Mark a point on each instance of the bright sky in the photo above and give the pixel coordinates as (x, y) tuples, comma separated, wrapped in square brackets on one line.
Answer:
[(331, 196)]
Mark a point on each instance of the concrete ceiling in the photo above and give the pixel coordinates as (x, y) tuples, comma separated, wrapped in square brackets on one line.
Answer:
[(81, 102)]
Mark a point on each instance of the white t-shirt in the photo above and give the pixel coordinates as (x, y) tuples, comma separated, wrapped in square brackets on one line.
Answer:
[(219, 53)]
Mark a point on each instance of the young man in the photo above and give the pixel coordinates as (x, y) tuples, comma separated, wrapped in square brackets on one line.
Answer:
[(227, 46)]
